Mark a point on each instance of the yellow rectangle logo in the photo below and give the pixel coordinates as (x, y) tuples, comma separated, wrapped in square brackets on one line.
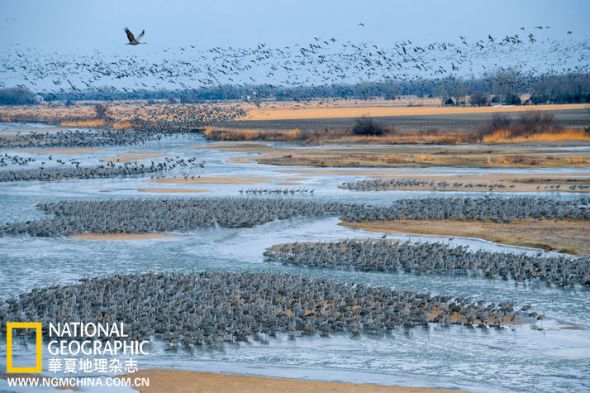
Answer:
[(38, 347)]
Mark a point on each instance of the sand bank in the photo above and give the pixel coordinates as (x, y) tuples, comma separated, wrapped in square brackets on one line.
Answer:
[(172, 190), (213, 180), (355, 172), (482, 182), (513, 182), (404, 156), (572, 237), (432, 158), (133, 156), (172, 381)]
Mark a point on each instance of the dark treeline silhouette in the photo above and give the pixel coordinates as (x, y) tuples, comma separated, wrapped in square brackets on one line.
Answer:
[(502, 87), (17, 96)]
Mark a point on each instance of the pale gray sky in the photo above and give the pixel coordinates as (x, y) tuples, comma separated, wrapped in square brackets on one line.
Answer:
[(70, 25), (58, 44)]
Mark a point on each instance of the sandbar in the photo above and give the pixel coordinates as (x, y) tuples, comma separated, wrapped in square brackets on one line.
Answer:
[(176, 381), (571, 237)]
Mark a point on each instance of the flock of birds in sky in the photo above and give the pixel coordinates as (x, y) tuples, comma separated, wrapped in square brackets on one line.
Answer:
[(323, 61)]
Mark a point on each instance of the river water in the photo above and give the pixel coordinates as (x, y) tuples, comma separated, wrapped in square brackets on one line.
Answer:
[(546, 357)]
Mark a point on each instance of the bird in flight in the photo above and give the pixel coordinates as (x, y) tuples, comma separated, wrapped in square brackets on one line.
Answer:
[(132, 39)]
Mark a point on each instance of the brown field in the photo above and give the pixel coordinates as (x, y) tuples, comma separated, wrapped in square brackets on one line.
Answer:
[(572, 237), (340, 136), (447, 122), (176, 381), (424, 122), (92, 123), (409, 113), (50, 114), (393, 156), (343, 109), (120, 236), (343, 136)]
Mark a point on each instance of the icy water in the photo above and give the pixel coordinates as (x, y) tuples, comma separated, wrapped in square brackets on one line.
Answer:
[(540, 358)]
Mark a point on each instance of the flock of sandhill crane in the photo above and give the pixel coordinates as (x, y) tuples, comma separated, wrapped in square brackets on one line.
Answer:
[(324, 61), (64, 170), (431, 257), (396, 184), (212, 308), (160, 215), (193, 309)]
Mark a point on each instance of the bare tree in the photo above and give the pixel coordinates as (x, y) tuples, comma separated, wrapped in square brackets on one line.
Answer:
[(479, 99)]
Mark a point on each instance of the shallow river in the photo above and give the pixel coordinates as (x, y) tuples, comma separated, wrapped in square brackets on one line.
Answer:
[(540, 358)]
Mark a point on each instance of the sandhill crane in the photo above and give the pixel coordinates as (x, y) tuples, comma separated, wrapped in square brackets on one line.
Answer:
[(132, 39)]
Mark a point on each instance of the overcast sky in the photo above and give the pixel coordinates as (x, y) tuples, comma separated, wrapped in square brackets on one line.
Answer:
[(70, 25)]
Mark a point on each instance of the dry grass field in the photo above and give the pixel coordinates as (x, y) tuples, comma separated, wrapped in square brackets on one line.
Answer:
[(432, 137), (409, 114), (426, 123), (567, 135), (344, 109)]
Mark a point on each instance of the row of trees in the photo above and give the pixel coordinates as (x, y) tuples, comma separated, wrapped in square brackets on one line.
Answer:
[(17, 96), (503, 87)]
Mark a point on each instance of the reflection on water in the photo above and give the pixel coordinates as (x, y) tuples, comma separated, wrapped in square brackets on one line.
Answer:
[(523, 359)]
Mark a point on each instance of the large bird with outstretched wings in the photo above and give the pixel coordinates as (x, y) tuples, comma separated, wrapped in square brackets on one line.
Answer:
[(132, 39)]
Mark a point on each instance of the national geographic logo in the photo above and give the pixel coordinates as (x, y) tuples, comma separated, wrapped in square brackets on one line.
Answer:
[(80, 356), (37, 368)]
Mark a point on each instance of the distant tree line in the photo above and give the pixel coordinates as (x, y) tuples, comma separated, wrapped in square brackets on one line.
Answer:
[(17, 96), (501, 87)]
